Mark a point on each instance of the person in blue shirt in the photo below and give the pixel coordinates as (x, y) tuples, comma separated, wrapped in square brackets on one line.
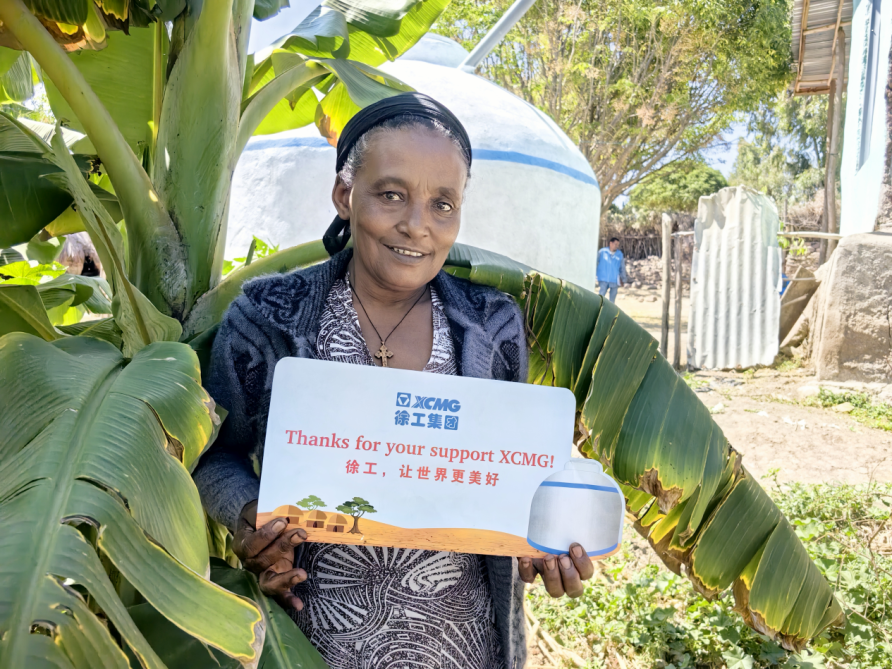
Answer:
[(611, 269)]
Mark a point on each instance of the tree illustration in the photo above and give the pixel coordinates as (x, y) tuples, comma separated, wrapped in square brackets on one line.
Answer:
[(356, 507), (310, 503)]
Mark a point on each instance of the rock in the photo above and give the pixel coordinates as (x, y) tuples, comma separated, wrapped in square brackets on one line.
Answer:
[(650, 298), (850, 335), (718, 408), (635, 284), (845, 407), (808, 391)]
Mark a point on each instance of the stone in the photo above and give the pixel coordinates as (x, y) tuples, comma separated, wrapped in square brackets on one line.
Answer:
[(845, 407), (718, 408), (651, 298), (851, 327), (808, 391)]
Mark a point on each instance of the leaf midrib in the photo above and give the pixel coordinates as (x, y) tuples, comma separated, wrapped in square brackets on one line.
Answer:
[(50, 525)]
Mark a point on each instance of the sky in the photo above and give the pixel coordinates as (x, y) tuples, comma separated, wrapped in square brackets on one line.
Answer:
[(264, 33)]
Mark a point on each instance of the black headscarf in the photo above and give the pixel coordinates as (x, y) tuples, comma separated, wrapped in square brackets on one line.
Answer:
[(414, 104)]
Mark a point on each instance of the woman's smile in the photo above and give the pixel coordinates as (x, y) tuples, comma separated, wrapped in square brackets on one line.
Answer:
[(405, 253)]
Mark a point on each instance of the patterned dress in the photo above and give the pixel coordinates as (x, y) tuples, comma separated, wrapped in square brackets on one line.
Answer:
[(394, 608)]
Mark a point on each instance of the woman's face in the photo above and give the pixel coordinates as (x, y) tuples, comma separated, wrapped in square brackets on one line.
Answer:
[(404, 207)]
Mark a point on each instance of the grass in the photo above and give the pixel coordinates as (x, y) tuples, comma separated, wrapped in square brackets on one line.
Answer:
[(866, 411), (637, 615), (873, 414)]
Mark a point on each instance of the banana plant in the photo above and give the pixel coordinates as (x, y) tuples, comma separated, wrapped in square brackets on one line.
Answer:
[(103, 420), (106, 552)]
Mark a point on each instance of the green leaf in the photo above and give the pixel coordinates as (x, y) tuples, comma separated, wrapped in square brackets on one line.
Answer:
[(8, 256), (73, 12), (121, 75), (375, 17), (91, 440), (44, 252), (285, 646), (28, 202), (266, 9), (25, 273), (104, 329), (17, 83), (374, 50), (700, 510), (322, 33), (21, 310), (736, 658)]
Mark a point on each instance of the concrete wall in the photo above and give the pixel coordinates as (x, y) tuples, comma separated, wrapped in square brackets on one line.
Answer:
[(861, 185)]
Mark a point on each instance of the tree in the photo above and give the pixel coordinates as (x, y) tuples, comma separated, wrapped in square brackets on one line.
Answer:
[(787, 156), (103, 420), (678, 187), (356, 507), (310, 503), (637, 84)]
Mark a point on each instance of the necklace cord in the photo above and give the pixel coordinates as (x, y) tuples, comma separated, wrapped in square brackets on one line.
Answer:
[(365, 311)]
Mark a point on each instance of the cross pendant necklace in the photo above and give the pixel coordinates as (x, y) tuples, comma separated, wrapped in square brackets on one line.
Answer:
[(383, 353)]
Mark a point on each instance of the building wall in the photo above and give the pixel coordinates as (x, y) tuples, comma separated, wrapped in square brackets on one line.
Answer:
[(861, 185)]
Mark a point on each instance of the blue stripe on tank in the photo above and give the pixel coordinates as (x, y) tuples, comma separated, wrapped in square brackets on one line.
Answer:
[(524, 159), (555, 551), (261, 144), (585, 486)]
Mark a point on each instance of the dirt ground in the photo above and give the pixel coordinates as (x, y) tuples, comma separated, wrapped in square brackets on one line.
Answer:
[(761, 419)]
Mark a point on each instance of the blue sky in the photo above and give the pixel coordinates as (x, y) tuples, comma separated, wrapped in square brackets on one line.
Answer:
[(264, 33)]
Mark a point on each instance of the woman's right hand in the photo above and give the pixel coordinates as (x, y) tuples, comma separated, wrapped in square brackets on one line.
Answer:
[(269, 553)]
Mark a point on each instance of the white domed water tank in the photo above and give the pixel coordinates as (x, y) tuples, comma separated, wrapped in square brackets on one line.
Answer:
[(532, 194)]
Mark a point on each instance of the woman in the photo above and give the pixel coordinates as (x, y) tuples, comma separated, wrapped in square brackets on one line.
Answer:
[(402, 167)]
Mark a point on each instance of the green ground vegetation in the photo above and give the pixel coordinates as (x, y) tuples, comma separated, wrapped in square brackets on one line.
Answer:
[(637, 614)]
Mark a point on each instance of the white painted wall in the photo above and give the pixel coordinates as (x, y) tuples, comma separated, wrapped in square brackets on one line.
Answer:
[(532, 194), (861, 187)]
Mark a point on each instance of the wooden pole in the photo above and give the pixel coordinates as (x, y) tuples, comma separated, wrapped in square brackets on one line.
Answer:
[(679, 292), (833, 155), (667, 269), (829, 181)]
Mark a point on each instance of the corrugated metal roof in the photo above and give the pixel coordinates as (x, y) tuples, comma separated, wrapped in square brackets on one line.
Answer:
[(735, 281), (814, 66)]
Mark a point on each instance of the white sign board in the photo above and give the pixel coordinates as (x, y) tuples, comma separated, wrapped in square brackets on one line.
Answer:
[(389, 457)]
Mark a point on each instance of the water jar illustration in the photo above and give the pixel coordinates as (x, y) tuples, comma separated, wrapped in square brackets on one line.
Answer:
[(580, 504)]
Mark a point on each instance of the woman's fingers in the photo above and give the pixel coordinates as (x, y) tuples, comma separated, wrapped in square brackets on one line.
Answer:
[(276, 584), (526, 570), (570, 577), (551, 576), (277, 546), (249, 541), (583, 562)]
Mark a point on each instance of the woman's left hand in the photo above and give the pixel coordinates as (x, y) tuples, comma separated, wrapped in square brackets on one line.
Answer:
[(561, 574)]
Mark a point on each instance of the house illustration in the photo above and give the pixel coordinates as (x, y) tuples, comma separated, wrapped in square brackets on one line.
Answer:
[(336, 523), (291, 513), (315, 518)]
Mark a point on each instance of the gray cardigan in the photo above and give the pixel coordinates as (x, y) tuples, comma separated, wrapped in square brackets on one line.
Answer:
[(278, 316)]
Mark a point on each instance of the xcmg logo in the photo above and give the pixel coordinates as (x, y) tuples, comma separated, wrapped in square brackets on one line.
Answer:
[(404, 400)]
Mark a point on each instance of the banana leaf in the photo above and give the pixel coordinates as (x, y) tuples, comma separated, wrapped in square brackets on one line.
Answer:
[(95, 451), (702, 512), (285, 646)]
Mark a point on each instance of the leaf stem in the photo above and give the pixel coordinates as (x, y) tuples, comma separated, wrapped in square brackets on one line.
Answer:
[(262, 102), (157, 81)]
